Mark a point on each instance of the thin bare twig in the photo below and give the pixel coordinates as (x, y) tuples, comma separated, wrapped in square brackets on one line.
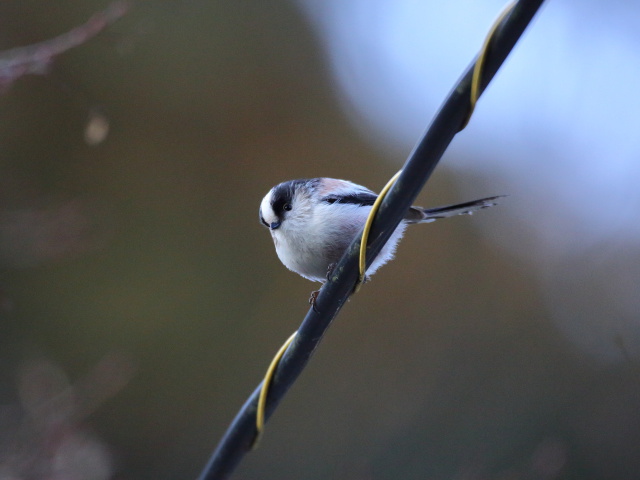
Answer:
[(36, 58)]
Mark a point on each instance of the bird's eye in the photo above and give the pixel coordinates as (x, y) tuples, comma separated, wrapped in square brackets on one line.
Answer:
[(287, 207)]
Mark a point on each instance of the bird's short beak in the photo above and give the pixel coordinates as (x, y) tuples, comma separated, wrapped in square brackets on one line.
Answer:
[(274, 225)]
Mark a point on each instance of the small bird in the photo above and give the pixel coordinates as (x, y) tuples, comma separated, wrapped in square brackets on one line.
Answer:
[(313, 221)]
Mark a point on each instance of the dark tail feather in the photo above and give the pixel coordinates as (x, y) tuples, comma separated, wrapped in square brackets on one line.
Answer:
[(425, 215)]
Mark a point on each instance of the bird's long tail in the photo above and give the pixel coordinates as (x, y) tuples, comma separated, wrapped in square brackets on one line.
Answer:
[(425, 215)]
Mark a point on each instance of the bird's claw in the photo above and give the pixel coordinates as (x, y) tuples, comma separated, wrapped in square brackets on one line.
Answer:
[(312, 300), (330, 270)]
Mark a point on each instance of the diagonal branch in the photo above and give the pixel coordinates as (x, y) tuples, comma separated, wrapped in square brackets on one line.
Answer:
[(36, 58), (416, 171)]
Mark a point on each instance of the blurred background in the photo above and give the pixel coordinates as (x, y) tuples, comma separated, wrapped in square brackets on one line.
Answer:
[(141, 300)]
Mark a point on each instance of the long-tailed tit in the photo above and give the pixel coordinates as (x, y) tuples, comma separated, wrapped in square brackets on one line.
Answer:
[(313, 221)]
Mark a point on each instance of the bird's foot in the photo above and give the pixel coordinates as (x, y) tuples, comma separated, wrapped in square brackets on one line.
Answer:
[(330, 269), (312, 300)]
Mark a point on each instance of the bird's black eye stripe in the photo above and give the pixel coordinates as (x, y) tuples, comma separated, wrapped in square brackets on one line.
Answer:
[(282, 196)]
